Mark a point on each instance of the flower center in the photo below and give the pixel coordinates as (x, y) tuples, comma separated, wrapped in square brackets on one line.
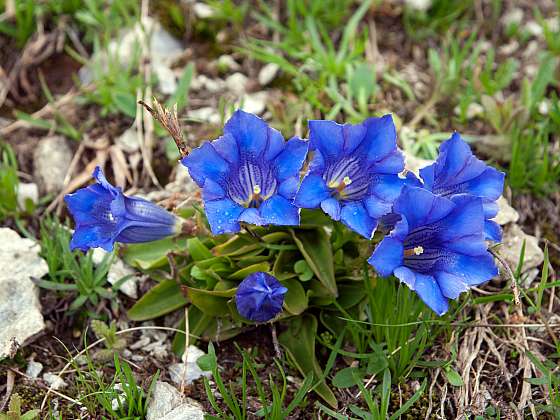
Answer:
[(252, 184), (347, 179), (417, 250)]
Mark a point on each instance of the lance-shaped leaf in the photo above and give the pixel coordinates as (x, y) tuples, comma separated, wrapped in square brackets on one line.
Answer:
[(160, 300)]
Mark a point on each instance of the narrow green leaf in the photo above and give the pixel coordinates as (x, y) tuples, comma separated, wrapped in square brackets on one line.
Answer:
[(160, 300)]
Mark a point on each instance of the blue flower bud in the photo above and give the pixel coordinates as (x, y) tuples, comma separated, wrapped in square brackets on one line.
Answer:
[(260, 297)]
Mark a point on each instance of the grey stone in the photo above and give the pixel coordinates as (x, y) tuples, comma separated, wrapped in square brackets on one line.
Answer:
[(20, 309), (237, 83), (27, 192), (268, 73), (33, 369), (186, 373), (512, 243), (506, 213), (128, 141), (206, 114), (54, 381), (414, 164), (255, 103), (117, 271), (167, 403), (203, 11), (51, 161)]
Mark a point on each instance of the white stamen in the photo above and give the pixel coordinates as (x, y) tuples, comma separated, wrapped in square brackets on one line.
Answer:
[(346, 180), (256, 189), (418, 250)]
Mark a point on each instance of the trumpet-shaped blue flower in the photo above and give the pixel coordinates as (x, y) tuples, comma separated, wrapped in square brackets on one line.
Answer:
[(250, 174), (353, 173), (437, 248), (458, 171), (104, 215), (260, 297)]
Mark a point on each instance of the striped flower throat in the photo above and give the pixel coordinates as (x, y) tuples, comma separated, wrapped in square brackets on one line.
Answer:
[(252, 184), (347, 179)]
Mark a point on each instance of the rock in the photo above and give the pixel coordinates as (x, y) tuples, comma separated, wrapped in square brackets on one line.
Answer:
[(51, 161), (509, 49), (255, 103), (534, 28), (227, 62), (513, 17), (237, 83), (117, 271), (419, 5), (166, 403), (128, 141), (203, 11), (27, 192), (20, 309), (268, 73), (54, 381), (33, 369), (183, 183), (512, 242), (203, 82), (506, 213), (206, 114), (181, 374), (167, 81)]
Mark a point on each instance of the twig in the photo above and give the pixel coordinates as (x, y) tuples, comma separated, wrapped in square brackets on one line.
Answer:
[(514, 288), (185, 356), (275, 341), (9, 388)]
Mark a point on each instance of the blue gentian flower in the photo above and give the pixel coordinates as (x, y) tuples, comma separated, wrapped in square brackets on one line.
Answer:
[(250, 174), (437, 248), (458, 171), (104, 215), (353, 173), (260, 297)]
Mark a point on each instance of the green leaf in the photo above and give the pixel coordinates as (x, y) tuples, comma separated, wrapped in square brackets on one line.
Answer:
[(454, 378), (244, 272), (315, 246), (299, 342), (303, 270), (198, 250), (295, 299), (151, 255), (346, 378), (125, 103), (211, 302), (160, 300)]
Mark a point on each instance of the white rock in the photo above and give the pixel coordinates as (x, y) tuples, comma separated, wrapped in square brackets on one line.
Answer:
[(419, 5), (183, 182), (33, 369), (512, 243), (544, 107), (553, 24), (128, 141), (20, 309), (187, 373), (414, 164), (509, 49), (255, 103), (167, 81), (203, 11), (237, 83), (54, 381), (534, 28), (268, 73), (27, 192), (117, 271), (166, 403), (206, 114), (506, 213), (51, 160), (227, 62), (513, 17), (203, 82)]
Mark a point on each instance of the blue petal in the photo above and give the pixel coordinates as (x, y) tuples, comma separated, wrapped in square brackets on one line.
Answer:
[(316, 162), (279, 211), (251, 216), (451, 285), (489, 184), (491, 208), (312, 191), (428, 289), (289, 161), (204, 162), (474, 269), (407, 276), (227, 148), (275, 145), (355, 216), (456, 163), (327, 137), (250, 131), (391, 164), (289, 187), (223, 216), (95, 236), (100, 178), (376, 207), (463, 227), (87, 204), (331, 206), (353, 136), (388, 255), (427, 174), (380, 139), (383, 192), (139, 233), (212, 190), (420, 206), (492, 231), (146, 212)]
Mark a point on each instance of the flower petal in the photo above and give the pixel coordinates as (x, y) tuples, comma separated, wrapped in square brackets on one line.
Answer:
[(288, 188), (312, 191), (223, 216), (475, 270), (289, 161), (279, 211), (489, 184), (251, 216), (94, 236), (428, 289), (407, 276), (355, 216), (227, 148), (387, 256), (250, 132), (420, 206), (212, 190), (327, 137), (331, 206), (492, 231), (451, 285), (204, 162)]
